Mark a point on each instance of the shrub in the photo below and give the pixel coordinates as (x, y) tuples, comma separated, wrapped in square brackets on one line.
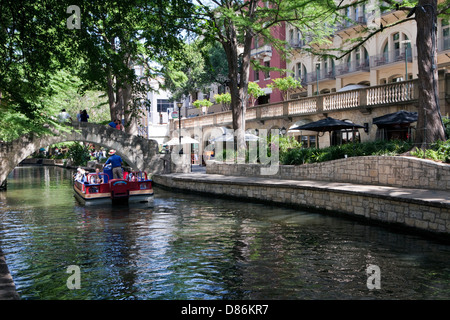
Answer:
[(310, 155), (438, 151)]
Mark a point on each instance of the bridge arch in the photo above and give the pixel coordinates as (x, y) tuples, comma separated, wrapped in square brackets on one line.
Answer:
[(139, 153)]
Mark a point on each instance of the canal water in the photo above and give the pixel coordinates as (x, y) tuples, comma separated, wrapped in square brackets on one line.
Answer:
[(193, 247)]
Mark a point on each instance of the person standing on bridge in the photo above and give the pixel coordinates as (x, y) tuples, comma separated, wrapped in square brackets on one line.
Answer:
[(116, 164), (84, 116), (64, 116)]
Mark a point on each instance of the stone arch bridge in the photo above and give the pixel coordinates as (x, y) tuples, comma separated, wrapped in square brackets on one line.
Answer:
[(139, 153)]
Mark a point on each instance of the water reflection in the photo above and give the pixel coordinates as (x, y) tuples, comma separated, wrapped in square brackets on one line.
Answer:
[(192, 247)]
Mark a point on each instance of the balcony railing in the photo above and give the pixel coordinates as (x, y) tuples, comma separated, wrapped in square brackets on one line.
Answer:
[(391, 57), (296, 43), (353, 66), (370, 97), (328, 74), (265, 50)]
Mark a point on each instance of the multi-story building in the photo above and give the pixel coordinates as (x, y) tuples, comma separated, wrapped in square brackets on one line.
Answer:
[(388, 57), (268, 57), (376, 79)]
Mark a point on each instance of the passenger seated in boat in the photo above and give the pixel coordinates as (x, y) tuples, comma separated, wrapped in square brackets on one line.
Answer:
[(81, 175), (131, 177), (97, 178)]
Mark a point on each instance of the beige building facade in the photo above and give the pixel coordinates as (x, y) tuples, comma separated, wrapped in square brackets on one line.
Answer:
[(377, 78)]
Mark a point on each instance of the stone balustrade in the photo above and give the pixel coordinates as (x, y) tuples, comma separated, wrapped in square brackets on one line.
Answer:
[(370, 97)]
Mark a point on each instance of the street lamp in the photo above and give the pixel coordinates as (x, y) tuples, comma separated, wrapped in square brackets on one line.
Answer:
[(406, 42), (179, 105), (317, 76)]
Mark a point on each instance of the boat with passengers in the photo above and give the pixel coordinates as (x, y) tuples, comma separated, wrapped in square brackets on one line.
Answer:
[(100, 187)]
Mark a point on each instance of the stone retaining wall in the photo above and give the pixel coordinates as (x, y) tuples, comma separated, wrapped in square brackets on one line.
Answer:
[(391, 207), (394, 171)]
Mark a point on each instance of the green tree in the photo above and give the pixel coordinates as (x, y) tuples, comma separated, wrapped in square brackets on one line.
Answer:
[(118, 36), (235, 23), (254, 92), (286, 85), (185, 72), (33, 47), (224, 99)]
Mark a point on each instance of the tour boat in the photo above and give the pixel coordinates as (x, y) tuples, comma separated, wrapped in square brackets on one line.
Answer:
[(96, 188)]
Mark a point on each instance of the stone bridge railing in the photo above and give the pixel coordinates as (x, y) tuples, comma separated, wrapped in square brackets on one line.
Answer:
[(371, 97)]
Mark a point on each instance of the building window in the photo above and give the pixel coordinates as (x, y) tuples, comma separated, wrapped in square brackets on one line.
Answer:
[(446, 34), (308, 141), (396, 44), (301, 72), (256, 42), (345, 136), (267, 72), (163, 104), (256, 75)]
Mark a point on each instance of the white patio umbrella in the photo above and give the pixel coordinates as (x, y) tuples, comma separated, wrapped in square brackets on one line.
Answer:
[(230, 137), (184, 140)]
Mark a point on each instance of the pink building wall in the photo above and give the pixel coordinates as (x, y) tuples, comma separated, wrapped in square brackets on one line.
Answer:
[(276, 61)]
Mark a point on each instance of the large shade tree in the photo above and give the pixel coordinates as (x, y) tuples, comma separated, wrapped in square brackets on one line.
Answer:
[(117, 36), (109, 40), (235, 23), (33, 47)]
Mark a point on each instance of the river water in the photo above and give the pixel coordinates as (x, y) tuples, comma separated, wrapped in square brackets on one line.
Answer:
[(194, 247)]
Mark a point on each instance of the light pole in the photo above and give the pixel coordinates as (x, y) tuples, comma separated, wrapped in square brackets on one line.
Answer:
[(317, 76), (406, 42), (179, 105)]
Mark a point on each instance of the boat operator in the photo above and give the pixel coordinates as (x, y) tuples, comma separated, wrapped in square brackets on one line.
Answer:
[(116, 164)]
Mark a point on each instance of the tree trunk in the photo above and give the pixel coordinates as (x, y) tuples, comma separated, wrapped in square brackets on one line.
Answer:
[(112, 98), (237, 104), (239, 75), (429, 123)]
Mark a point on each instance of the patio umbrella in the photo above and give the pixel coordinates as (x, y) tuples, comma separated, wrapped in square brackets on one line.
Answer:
[(230, 137), (400, 117), (328, 124), (184, 140)]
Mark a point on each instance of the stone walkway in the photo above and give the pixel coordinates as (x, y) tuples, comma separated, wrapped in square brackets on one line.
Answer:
[(423, 195)]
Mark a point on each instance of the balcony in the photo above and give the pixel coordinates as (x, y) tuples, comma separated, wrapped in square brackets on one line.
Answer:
[(326, 74), (358, 21), (296, 44), (390, 57), (352, 67), (261, 52)]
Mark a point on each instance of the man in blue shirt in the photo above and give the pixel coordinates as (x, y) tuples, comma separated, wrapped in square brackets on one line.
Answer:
[(116, 164), (112, 124)]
